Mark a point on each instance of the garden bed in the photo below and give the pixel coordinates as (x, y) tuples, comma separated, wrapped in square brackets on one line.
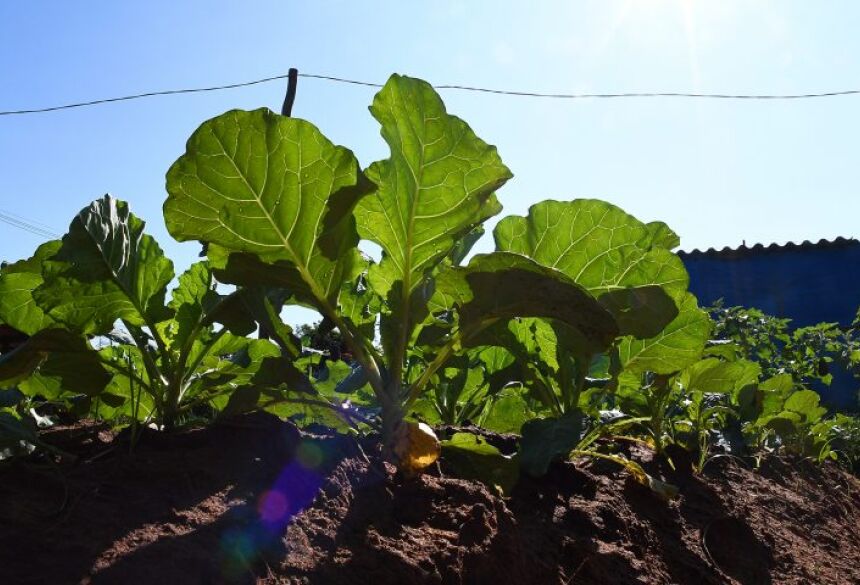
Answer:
[(257, 501)]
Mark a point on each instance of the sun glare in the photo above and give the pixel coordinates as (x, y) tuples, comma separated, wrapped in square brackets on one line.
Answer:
[(650, 23)]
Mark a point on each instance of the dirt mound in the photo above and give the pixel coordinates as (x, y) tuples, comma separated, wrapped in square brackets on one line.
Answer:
[(427, 530), (258, 502)]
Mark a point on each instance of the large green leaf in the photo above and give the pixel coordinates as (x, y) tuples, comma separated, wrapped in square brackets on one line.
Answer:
[(500, 286), (18, 309), (435, 189), (106, 269), (274, 187), (676, 347), (607, 252), (595, 243)]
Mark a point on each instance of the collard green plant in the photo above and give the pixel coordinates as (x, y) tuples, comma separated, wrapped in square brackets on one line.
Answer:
[(280, 205), (578, 328), (686, 408), (94, 306), (727, 405), (628, 268), (791, 420)]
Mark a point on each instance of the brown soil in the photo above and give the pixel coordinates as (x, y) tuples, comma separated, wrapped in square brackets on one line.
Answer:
[(256, 501)]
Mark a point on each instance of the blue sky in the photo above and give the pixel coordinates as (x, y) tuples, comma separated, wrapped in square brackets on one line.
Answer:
[(718, 172)]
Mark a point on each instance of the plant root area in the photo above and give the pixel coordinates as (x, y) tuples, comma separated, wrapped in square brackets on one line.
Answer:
[(255, 500)]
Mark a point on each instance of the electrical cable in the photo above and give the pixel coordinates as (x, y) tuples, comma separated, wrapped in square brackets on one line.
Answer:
[(439, 87)]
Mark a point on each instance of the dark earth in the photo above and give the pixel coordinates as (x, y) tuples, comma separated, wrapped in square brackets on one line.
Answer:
[(254, 500)]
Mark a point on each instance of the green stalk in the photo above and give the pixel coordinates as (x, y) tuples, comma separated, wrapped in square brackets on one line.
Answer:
[(152, 369), (552, 398), (135, 409), (458, 339), (657, 405), (188, 370), (137, 379), (573, 385)]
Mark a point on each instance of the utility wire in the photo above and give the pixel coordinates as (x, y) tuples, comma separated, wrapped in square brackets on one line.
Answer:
[(27, 226), (35, 222), (607, 95), (442, 87), (141, 95)]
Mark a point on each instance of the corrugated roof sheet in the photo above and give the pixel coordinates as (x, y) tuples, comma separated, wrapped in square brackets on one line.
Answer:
[(745, 251)]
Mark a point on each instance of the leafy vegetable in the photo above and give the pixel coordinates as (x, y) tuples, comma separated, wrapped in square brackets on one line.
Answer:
[(165, 359), (280, 205), (576, 331)]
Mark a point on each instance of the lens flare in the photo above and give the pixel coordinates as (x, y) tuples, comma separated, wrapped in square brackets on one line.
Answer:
[(294, 490), (273, 506)]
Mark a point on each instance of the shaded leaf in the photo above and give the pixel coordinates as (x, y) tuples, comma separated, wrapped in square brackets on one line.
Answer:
[(471, 457), (13, 430), (547, 439), (63, 357), (508, 412), (501, 286), (641, 312)]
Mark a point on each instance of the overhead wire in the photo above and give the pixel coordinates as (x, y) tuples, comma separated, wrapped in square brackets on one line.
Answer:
[(30, 226), (533, 94), (141, 95), (35, 222)]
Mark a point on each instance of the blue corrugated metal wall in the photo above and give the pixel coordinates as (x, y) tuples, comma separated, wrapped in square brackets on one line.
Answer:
[(807, 283)]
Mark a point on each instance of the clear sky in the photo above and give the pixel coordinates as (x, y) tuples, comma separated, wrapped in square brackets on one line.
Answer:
[(718, 172)]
